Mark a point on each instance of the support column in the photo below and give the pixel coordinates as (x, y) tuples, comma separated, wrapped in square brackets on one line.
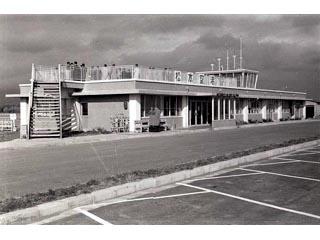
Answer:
[(264, 109), (185, 112), (304, 110), (229, 108), (212, 109), (245, 110), (134, 110), (234, 108), (219, 108), (23, 117), (224, 109), (279, 109), (77, 106)]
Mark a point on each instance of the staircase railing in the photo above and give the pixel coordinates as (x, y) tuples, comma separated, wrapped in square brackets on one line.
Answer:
[(60, 100), (30, 101)]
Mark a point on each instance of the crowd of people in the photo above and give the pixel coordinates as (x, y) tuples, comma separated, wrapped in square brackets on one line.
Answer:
[(75, 72)]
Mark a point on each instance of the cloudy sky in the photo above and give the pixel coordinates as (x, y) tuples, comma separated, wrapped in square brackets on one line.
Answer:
[(284, 48)]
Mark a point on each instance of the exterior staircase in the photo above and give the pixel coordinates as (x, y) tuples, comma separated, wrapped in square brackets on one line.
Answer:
[(45, 110)]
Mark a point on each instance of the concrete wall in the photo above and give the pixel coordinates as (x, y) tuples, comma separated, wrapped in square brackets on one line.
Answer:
[(224, 123), (174, 122), (101, 109), (255, 117), (24, 106), (134, 110)]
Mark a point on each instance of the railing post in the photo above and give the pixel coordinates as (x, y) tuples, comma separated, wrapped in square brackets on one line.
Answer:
[(59, 72), (60, 99), (33, 71)]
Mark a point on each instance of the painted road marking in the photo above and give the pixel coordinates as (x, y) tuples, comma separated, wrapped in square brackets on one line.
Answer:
[(227, 176), (272, 163), (299, 160), (282, 175), (92, 216), (253, 201), (304, 153)]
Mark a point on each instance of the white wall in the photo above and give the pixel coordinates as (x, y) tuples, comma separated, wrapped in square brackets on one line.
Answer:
[(264, 109), (134, 110), (279, 109), (245, 110), (185, 112), (24, 105)]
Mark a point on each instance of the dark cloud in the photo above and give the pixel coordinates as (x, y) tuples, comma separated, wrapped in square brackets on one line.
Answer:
[(307, 24), (285, 49), (212, 41), (107, 40), (28, 46)]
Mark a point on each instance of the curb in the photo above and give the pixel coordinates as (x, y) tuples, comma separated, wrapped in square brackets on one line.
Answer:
[(56, 207)]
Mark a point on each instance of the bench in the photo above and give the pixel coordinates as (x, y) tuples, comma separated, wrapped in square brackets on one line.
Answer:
[(141, 126)]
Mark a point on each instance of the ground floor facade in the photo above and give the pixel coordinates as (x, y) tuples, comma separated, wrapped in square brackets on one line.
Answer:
[(184, 111), (119, 105)]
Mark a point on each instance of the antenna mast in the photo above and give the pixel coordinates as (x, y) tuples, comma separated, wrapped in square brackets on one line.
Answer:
[(227, 59), (240, 52)]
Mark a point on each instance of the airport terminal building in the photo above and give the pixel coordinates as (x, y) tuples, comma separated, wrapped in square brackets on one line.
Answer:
[(70, 97)]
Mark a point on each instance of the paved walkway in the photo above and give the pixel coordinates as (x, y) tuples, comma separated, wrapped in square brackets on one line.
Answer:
[(30, 170)]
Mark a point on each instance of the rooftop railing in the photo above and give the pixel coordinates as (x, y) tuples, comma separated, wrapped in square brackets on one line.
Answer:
[(125, 72)]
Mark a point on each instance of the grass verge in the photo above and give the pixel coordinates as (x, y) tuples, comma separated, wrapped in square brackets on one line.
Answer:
[(33, 199)]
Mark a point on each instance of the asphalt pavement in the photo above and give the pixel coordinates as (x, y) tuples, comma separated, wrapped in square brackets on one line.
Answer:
[(279, 190), (32, 170)]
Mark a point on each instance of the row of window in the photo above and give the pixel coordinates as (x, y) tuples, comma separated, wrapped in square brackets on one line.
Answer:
[(168, 105), (225, 108)]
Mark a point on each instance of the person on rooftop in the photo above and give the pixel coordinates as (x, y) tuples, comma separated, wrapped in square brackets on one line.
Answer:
[(104, 72), (76, 72)]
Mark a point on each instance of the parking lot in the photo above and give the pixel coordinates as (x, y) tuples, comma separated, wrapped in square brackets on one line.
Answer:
[(279, 190)]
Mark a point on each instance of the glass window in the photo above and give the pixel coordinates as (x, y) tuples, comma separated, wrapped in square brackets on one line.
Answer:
[(166, 106), (216, 109), (142, 106), (179, 105), (173, 102), (227, 108), (232, 102), (221, 109)]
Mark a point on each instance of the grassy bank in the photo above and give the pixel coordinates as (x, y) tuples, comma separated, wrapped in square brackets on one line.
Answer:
[(33, 199)]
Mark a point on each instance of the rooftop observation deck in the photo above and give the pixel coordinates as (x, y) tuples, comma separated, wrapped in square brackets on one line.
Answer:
[(238, 78)]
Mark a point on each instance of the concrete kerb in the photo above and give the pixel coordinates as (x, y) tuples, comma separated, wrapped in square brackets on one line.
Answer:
[(56, 207)]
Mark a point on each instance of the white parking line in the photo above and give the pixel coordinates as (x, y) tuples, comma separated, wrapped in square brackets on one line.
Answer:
[(304, 153), (227, 176), (312, 151), (253, 201), (92, 216), (272, 163), (282, 175), (299, 160)]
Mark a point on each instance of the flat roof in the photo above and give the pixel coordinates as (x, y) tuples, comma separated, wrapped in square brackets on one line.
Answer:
[(230, 71), (16, 95)]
